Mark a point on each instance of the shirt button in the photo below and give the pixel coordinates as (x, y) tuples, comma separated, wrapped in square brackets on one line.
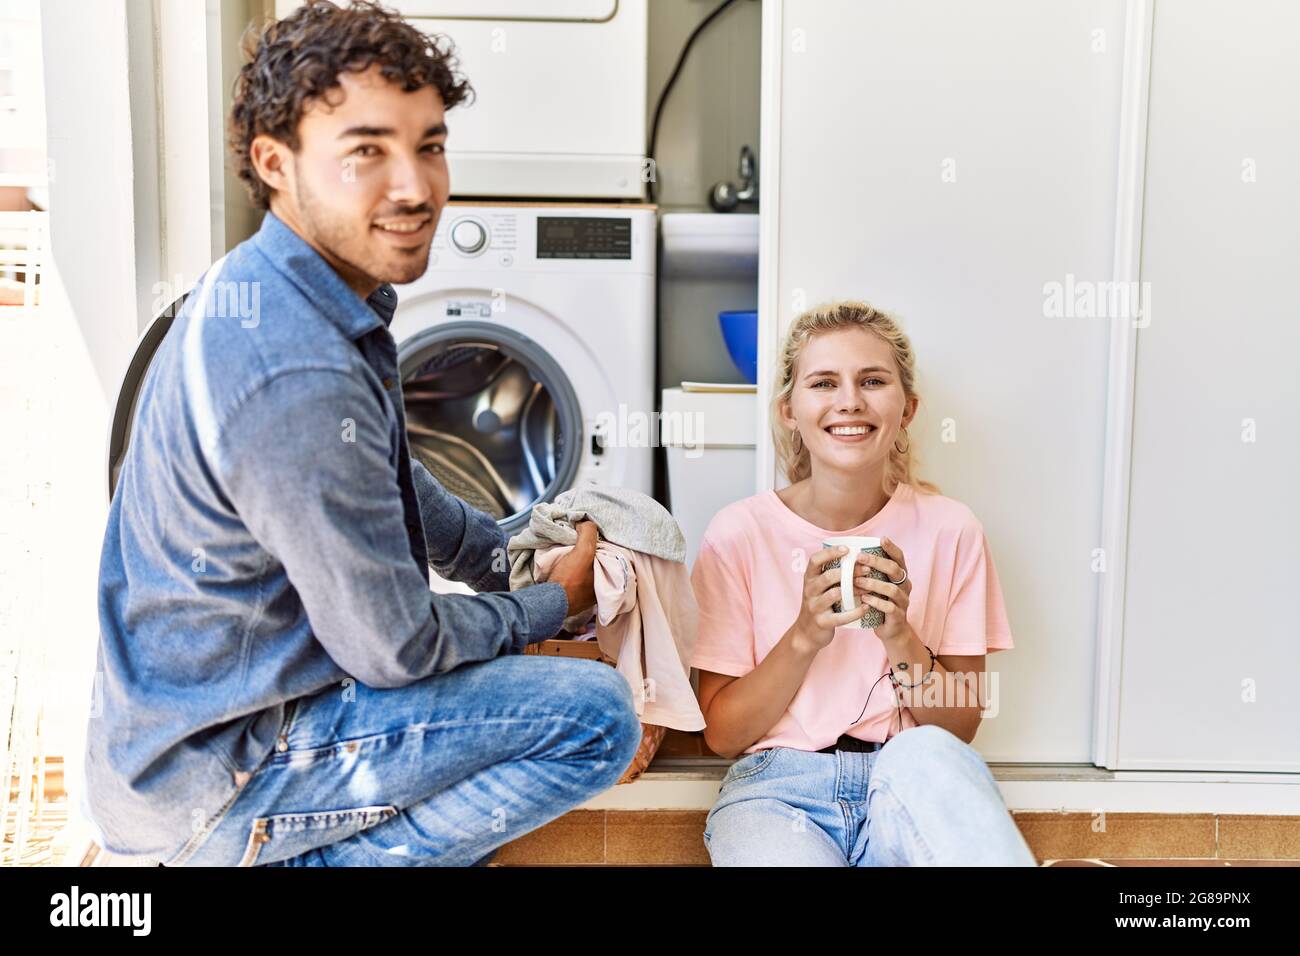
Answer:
[(282, 746), (388, 383)]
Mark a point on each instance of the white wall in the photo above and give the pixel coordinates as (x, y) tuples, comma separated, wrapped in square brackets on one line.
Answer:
[(104, 256), (137, 197)]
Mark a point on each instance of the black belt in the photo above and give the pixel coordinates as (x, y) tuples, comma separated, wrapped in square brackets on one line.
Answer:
[(851, 743)]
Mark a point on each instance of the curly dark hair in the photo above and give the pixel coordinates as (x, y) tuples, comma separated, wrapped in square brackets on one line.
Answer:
[(295, 60)]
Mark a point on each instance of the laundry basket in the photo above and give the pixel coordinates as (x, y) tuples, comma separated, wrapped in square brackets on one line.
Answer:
[(652, 735)]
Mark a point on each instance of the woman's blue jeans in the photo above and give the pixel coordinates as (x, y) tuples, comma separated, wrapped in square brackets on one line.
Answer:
[(926, 798), (438, 773)]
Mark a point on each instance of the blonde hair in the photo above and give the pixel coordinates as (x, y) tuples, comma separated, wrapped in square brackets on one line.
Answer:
[(791, 454)]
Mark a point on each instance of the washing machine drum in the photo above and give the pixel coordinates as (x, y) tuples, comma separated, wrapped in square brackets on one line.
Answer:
[(492, 416)]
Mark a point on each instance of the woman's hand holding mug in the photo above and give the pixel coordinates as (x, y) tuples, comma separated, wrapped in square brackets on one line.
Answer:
[(817, 618), (874, 571), (892, 599)]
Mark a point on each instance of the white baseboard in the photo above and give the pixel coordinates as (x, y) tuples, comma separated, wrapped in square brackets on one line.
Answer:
[(1027, 788)]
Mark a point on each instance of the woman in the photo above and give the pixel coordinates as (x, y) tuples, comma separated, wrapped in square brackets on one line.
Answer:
[(787, 681)]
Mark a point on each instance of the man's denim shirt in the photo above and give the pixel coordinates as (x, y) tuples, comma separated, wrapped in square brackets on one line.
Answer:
[(270, 537)]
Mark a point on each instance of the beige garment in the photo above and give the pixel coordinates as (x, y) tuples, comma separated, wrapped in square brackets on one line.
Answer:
[(645, 620)]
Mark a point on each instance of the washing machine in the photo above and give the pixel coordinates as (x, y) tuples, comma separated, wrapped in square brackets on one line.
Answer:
[(527, 352)]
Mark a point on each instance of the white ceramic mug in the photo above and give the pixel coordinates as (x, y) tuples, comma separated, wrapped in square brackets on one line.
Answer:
[(848, 600)]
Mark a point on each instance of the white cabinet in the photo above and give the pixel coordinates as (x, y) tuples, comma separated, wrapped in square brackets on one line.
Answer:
[(954, 163), (945, 161), (1211, 642)]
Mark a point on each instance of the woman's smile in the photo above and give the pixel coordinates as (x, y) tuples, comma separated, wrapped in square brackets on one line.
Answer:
[(850, 433)]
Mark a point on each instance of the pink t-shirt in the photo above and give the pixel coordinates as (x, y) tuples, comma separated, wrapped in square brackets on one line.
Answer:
[(748, 581)]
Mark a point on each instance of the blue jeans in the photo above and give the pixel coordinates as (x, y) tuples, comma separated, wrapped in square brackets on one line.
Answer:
[(924, 799), (440, 772)]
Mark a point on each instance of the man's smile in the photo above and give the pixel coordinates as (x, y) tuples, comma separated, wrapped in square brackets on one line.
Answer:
[(406, 228)]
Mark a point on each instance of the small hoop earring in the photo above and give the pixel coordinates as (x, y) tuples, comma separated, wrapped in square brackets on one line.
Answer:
[(904, 451), (796, 439)]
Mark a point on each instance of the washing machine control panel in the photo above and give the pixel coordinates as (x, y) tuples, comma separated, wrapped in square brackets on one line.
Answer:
[(583, 237), (547, 238)]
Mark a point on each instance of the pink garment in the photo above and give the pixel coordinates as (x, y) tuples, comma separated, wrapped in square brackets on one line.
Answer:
[(645, 620), (748, 580)]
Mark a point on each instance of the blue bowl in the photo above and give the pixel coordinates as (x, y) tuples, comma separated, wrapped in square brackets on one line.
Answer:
[(740, 332)]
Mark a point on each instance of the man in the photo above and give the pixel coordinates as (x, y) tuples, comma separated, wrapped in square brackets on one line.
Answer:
[(279, 684)]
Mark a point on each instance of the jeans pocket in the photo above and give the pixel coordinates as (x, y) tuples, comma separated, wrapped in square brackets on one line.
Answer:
[(285, 835), (750, 764)]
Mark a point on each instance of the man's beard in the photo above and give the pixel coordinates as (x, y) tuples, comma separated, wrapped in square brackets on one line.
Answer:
[(350, 250)]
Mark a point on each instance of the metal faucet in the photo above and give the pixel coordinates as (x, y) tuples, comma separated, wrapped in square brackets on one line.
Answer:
[(724, 196)]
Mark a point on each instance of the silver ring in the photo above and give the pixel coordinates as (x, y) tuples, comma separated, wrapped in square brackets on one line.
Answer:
[(904, 578)]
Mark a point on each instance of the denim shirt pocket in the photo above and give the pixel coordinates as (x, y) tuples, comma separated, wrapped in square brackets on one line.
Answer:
[(286, 835)]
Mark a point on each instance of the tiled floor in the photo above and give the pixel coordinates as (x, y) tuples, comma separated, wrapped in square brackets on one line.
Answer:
[(40, 848), (1132, 836), (675, 837), (1170, 863)]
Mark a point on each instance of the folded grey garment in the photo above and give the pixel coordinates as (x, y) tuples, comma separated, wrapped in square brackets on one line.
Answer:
[(625, 517)]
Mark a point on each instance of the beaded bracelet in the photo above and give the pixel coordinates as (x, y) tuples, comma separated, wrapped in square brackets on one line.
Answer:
[(890, 674), (903, 666)]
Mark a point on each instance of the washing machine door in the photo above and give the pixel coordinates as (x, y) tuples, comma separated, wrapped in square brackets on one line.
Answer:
[(492, 416), (119, 434)]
